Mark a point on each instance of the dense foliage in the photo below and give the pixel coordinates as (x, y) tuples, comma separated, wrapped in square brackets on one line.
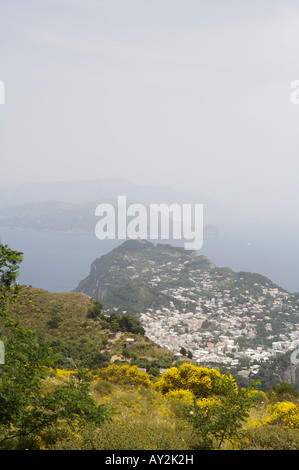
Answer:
[(24, 409), (115, 322)]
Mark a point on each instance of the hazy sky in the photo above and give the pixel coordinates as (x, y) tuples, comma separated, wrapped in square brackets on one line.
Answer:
[(186, 93)]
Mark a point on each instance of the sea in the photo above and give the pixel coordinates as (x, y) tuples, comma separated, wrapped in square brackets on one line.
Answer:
[(57, 262)]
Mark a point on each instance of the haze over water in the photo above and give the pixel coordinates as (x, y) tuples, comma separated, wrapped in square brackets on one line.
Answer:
[(57, 262)]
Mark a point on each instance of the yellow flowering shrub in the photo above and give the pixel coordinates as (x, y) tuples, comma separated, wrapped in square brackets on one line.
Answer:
[(63, 373), (208, 402), (125, 375), (40, 443), (198, 380), (183, 396), (285, 413), (259, 395)]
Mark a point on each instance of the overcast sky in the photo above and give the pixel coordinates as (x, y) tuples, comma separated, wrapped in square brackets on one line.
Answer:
[(186, 93)]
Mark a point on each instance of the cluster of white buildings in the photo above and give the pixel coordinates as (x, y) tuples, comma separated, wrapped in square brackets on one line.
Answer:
[(173, 330), (213, 330), (218, 316)]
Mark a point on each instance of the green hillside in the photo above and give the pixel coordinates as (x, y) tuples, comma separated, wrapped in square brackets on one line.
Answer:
[(74, 325)]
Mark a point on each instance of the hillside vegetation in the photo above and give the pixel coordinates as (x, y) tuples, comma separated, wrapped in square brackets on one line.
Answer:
[(74, 326)]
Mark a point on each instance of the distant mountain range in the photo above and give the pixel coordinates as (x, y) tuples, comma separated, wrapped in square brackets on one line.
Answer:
[(92, 191), (69, 206), (97, 191)]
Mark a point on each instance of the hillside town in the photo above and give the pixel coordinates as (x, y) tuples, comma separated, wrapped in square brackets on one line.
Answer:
[(237, 319), (214, 332)]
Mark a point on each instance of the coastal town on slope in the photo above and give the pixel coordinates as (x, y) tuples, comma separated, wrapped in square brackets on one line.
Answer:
[(182, 300), (226, 323)]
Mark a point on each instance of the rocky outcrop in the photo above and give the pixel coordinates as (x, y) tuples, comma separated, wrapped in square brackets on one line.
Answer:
[(291, 375)]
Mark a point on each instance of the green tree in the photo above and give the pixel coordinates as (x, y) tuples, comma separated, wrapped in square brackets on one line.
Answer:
[(220, 420), (9, 269), (130, 324), (96, 310), (24, 409), (183, 351)]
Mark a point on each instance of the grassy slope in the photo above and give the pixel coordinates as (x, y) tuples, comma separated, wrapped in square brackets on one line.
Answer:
[(60, 319)]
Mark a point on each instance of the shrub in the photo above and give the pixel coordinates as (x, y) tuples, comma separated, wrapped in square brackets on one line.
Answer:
[(285, 413), (102, 387), (184, 396), (96, 310), (283, 390), (220, 418), (199, 380), (125, 375)]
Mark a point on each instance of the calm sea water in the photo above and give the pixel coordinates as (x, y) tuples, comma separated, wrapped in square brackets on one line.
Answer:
[(57, 262)]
